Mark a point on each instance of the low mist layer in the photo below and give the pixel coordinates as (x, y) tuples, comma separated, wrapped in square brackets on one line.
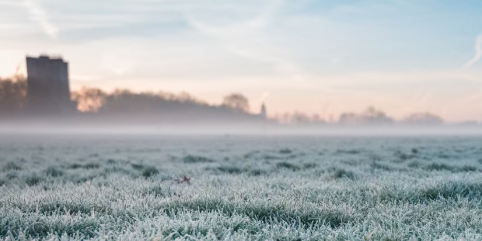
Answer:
[(98, 110)]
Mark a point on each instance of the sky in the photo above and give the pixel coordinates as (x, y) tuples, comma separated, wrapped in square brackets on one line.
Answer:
[(314, 56)]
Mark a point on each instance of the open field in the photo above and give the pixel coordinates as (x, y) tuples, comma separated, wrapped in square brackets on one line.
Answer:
[(240, 188)]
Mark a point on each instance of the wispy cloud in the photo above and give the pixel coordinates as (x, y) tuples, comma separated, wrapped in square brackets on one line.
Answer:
[(263, 97), (38, 14), (247, 39), (478, 52)]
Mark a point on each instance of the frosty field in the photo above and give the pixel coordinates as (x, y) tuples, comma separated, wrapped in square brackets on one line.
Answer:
[(240, 188)]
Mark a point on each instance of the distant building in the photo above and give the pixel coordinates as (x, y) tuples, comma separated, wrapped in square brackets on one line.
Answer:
[(263, 113), (48, 85)]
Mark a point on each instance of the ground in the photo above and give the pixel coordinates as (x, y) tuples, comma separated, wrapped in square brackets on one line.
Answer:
[(240, 188)]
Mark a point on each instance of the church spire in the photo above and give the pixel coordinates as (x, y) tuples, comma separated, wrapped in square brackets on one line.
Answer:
[(263, 113)]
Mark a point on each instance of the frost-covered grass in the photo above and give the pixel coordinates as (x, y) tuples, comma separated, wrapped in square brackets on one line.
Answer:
[(240, 188)]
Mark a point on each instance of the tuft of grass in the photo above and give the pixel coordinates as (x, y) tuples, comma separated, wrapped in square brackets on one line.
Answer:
[(404, 157), (12, 175), (196, 159), (337, 173), (137, 166), (453, 190), (257, 172), (379, 166), (439, 167), (117, 169), (111, 161), (54, 172), (40, 227), (287, 165), (155, 190), (445, 167), (230, 169), (265, 213), (12, 166), (75, 166), (310, 165), (467, 168), (91, 165), (149, 172), (285, 151), (271, 157), (33, 180), (414, 164), (350, 152)]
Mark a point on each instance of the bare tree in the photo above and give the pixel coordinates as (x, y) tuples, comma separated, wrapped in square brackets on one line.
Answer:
[(370, 116), (237, 102), (89, 99), (13, 94), (423, 118)]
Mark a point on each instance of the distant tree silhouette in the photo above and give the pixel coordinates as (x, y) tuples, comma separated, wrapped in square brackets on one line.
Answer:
[(299, 118), (349, 119), (236, 102), (125, 101), (370, 116), (125, 105), (423, 118), (13, 95), (89, 99), (374, 116)]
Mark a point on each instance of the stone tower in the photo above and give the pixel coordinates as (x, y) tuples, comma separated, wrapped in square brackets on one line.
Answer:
[(48, 86)]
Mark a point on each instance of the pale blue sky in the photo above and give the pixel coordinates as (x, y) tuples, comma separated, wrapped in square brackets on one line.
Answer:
[(321, 57)]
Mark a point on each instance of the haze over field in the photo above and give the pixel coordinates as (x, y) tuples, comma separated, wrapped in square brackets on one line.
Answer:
[(93, 110)]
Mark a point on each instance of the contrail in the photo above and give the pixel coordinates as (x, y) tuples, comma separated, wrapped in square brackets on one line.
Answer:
[(38, 15), (478, 52), (264, 96)]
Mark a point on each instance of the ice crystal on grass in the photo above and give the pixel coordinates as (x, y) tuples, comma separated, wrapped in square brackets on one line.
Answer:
[(246, 188)]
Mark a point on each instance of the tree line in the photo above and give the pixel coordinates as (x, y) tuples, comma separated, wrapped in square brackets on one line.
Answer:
[(172, 107), (93, 102)]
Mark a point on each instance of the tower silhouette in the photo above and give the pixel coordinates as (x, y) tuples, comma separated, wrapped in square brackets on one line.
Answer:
[(263, 113), (48, 88)]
